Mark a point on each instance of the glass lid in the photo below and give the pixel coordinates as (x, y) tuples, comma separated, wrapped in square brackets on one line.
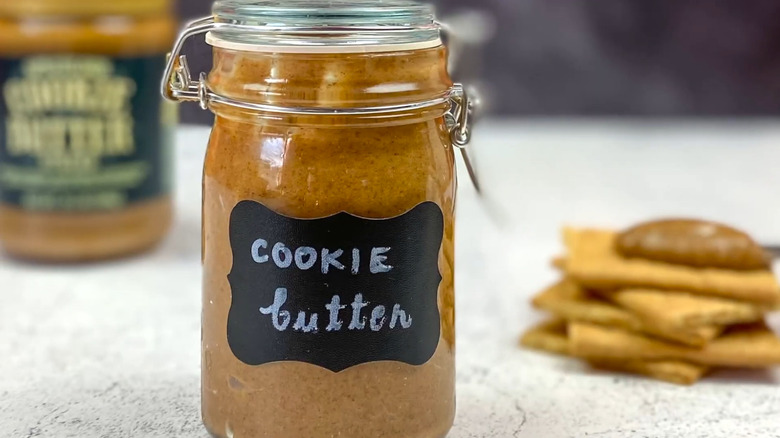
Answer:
[(323, 23)]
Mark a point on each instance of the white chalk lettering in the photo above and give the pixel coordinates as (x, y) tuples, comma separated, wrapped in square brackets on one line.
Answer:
[(358, 322), (355, 261), (256, 247), (279, 317), (400, 316), (305, 258), (334, 307), (378, 318), (377, 264), (279, 251), (308, 322), (301, 325), (331, 259)]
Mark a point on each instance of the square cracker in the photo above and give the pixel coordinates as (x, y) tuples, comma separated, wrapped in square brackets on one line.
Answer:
[(748, 346), (567, 300), (684, 310), (551, 337), (593, 261), (671, 371)]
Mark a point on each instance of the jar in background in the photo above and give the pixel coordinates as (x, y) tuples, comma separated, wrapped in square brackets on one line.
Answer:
[(85, 140), (328, 219)]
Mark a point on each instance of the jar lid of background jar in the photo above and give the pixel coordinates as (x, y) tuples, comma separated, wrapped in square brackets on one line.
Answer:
[(42, 8), (306, 25)]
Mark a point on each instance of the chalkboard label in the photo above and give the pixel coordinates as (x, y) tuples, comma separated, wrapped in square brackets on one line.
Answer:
[(334, 292)]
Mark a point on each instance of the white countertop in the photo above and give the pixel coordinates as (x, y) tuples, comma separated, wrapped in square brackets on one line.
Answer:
[(112, 350)]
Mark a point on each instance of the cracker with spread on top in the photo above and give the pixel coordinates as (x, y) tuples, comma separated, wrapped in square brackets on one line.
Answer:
[(593, 262), (667, 299)]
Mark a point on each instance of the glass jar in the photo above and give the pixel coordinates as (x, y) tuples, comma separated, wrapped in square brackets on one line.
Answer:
[(328, 219), (85, 139)]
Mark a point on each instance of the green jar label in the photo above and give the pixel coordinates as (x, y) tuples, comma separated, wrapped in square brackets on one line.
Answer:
[(83, 133)]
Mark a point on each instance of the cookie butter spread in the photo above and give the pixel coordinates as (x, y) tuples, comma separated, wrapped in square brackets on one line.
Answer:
[(694, 243), (84, 136), (328, 221)]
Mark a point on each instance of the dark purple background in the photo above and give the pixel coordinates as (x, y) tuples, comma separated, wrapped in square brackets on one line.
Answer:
[(618, 57)]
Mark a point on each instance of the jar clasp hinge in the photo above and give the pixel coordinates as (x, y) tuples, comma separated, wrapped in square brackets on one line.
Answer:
[(460, 119), (177, 83)]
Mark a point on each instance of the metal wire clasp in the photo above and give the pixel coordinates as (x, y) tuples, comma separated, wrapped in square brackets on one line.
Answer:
[(460, 119), (179, 86)]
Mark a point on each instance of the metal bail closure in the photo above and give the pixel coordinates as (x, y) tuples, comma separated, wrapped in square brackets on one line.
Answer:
[(178, 86), (460, 119)]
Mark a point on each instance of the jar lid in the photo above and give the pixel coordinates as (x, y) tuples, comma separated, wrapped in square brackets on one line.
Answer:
[(309, 25), (43, 8), (318, 26)]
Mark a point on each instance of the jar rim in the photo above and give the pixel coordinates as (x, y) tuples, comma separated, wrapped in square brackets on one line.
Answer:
[(213, 39), (330, 11), (329, 23)]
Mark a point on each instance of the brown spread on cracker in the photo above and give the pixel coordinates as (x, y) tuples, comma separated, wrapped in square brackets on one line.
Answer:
[(693, 243), (593, 262)]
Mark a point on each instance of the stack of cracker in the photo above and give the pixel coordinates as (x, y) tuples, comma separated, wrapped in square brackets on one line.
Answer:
[(668, 299)]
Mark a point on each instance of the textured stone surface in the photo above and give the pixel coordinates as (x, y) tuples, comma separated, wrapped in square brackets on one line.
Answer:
[(112, 350)]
